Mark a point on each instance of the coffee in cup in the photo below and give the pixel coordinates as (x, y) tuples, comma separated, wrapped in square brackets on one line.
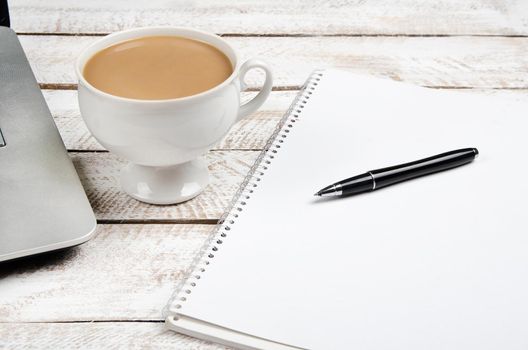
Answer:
[(157, 68)]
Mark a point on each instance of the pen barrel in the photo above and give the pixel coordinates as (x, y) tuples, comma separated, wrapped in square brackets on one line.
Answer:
[(403, 172), (357, 184)]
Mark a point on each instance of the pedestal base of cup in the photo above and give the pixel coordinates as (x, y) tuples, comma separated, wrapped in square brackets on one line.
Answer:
[(165, 185)]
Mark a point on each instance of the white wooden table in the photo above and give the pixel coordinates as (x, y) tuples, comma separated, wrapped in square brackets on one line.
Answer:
[(109, 292)]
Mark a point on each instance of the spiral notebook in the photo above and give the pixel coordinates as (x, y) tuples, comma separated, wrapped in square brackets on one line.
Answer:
[(439, 262)]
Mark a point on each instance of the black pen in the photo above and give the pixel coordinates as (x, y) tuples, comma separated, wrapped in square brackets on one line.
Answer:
[(374, 179)]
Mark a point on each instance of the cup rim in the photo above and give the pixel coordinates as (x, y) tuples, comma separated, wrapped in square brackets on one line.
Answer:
[(212, 90)]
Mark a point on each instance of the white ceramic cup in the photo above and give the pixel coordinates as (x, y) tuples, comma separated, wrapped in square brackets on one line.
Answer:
[(164, 139)]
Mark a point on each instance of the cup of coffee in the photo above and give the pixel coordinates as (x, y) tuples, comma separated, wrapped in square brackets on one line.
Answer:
[(161, 97)]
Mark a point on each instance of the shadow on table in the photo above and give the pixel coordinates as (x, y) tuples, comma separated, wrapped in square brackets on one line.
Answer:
[(48, 260)]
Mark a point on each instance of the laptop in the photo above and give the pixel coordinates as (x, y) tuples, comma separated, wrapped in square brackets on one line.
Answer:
[(43, 206)]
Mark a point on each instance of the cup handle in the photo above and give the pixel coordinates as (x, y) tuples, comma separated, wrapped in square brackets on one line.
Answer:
[(257, 101)]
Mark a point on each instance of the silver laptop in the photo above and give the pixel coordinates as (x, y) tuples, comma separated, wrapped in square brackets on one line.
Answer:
[(43, 206)]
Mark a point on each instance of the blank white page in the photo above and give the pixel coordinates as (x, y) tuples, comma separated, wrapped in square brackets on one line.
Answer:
[(439, 262)]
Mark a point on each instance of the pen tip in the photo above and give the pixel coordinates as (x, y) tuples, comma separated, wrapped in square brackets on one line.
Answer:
[(318, 194)]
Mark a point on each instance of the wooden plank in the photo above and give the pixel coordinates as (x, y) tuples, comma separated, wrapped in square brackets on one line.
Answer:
[(99, 173), (107, 335), (482, 62), (249, 134), (495, 17), (125, 272)]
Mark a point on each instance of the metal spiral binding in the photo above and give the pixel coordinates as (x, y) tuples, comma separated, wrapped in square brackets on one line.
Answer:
[(221, 232)]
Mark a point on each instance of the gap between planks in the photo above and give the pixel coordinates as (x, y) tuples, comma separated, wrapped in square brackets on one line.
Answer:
[(64, 86), (158, 221), (91, 321), (303, 35), (73, 150)]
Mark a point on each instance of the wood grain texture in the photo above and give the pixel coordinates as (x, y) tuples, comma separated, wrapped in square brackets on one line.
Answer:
[(125, 272), (99, 174), (433, 17), (446, 61), (107, 335), (249, 134)]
